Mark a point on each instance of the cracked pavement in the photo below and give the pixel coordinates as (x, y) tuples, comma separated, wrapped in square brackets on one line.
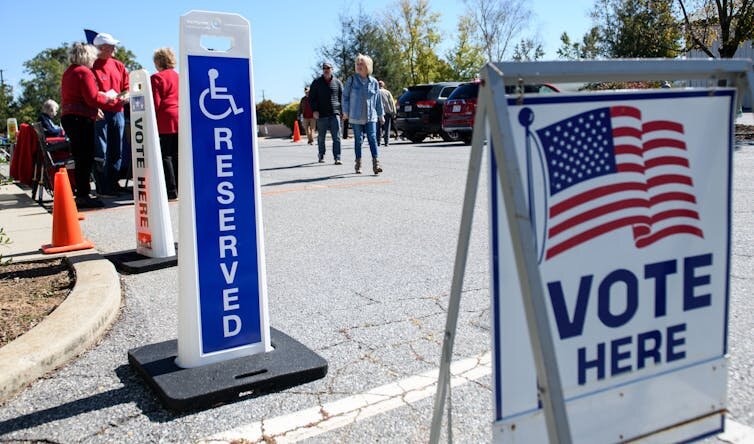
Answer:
[(359, 270)]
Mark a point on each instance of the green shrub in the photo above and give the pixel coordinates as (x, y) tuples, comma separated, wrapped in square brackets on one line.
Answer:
[(267, 112), (288, 115)]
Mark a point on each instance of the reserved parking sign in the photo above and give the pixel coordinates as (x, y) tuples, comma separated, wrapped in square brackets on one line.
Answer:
[(223, 297)]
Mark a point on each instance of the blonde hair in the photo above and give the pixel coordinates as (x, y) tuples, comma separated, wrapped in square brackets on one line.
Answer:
[(82, 54), (367, 61), (164, 58)]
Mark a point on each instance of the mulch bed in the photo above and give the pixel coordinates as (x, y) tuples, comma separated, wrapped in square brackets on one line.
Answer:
[(29, 291)]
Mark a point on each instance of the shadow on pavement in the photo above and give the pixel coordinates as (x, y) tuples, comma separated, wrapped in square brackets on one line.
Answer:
[(289, 167), (316, 179), (132, 391)]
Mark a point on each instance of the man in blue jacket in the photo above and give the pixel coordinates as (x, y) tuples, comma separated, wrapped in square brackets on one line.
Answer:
[(324, 98)]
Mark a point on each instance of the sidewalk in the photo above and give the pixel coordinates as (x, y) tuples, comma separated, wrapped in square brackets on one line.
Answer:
[(78, 323)]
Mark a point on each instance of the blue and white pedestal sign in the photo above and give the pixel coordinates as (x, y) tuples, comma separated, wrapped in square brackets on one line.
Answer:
[(225, 345), (629, 198), (155, 248)]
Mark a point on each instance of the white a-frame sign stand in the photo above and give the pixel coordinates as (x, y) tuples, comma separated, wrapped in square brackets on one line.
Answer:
[(610, 241)]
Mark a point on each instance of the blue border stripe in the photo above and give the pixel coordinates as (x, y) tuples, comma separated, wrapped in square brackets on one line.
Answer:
[(530, 100), (496, 285)]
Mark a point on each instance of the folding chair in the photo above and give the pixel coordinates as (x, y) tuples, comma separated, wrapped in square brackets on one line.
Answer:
[(50, 158)]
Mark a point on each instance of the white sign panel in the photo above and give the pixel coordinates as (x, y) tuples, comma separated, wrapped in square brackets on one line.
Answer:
[(154, 233), (629, 197), (223, 293)]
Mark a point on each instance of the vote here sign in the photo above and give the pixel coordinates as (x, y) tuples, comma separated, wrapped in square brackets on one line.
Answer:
[(629, 198), (223, 310)]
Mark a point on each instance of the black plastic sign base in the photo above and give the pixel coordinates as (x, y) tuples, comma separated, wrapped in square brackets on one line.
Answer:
[(131, 262), (289, 364)]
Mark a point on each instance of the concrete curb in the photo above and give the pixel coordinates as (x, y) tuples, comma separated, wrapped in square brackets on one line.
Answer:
[(76, 325)]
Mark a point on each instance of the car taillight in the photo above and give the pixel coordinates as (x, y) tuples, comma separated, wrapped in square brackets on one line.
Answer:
[(426, 104)]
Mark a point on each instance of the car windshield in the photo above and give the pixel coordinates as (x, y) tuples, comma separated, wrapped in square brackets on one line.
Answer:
[(465, 91), (416, 93)]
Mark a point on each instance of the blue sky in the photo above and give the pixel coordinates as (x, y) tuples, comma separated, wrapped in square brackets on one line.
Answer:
[(285, 34)]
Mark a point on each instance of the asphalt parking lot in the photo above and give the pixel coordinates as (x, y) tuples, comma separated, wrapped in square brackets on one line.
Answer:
[(359, 270)]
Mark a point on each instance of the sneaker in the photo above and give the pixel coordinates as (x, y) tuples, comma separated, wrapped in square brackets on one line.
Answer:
[(338, 162), (89, 202), (321, 160)]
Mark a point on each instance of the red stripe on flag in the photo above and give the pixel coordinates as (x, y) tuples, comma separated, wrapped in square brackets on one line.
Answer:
[(691, 214), (664, 143), (662, 125), (669, 178), (597, 212), (630, 168), (594, 232), (627, 131), (675, 229), (667, 197), (625, 111), (628, 149), (595, 193), (666, 160)]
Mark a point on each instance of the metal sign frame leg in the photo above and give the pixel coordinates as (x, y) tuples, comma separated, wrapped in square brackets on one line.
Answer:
[(462, 250), (543, 347)]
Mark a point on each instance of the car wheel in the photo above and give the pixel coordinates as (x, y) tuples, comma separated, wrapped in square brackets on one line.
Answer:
[(449, 137), (466, 139), (416, 138)]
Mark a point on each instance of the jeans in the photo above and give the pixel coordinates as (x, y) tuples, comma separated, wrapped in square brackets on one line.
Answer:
[(358, 131), (108, 145), (333, 124)]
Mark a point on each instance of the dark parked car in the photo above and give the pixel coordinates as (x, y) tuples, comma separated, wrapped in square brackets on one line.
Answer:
[(419, 111), (458, 112)]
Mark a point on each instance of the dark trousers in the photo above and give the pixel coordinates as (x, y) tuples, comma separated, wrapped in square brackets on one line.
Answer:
[(169, 149), (384, 129), (80, 130), (108, 140)]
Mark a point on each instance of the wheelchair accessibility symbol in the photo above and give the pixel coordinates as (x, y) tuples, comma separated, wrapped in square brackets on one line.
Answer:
[(217, 93)]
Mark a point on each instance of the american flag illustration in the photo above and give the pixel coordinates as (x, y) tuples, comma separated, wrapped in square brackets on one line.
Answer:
[(608, 170)]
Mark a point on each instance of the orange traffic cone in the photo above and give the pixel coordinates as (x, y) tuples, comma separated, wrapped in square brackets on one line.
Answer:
[(66, 232), (296, 132)]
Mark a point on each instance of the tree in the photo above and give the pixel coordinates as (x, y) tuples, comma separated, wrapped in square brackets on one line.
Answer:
[(730, 22), (126, 57), (498, 22), (413, 31), (267, 111), (637, 28), (465, 58), (587, 49), (527, 50), (363, 34)]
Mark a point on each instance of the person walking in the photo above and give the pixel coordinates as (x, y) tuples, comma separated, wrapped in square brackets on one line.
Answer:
[(324, 97), (80, 108), (165, 94), (112, 79), (388, 104), (306, 116), (362, 106)]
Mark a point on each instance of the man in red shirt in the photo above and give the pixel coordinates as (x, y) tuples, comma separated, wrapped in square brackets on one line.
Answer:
[(112, 79)]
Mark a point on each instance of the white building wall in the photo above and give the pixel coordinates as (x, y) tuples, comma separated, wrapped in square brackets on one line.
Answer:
[(745, 51)]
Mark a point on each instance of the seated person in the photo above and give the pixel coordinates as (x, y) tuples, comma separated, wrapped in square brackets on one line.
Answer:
[(49, 111)]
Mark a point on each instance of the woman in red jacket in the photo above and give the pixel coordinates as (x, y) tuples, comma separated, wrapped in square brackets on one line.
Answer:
[(80, 104), (165, 93)]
